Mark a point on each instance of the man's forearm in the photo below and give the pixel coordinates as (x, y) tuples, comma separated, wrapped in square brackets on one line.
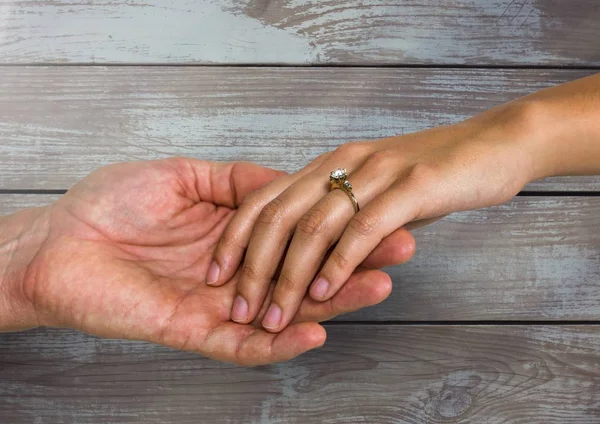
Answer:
[(21, 236)]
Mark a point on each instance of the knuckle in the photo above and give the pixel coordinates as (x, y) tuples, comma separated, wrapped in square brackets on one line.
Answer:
[(422, 175), (364, 223), (352, 149), (313, 222), (378, 160), (238, 355), (253, 199), (287, 283), (250, 274), (339, 260), (272, 213), (255, 202)]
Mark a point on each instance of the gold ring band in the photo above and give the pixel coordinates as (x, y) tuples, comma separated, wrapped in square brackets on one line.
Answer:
[(338, 181)]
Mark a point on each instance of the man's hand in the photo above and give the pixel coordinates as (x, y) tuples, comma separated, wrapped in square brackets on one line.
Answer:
[(126, 252)]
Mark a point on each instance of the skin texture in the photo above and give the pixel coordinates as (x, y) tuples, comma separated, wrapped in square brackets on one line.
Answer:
[(125, 254), (398, 181)]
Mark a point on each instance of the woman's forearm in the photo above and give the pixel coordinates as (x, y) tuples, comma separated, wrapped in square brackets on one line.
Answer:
[(21, 235), (480, 162), (567, 123)]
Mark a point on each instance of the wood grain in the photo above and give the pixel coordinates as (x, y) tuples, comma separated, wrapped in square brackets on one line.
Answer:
[(535, 258), (59, 123), (364, 374), (471, 32)]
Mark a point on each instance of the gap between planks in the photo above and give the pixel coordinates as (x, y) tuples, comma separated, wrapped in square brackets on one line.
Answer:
[(470, 323), (301, 65), (525, 193)]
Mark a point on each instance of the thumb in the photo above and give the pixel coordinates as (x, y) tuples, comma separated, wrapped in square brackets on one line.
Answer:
[(247, 177), (228, 183)]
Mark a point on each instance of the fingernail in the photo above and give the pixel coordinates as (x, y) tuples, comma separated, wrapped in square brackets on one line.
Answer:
[(273, 317), (239, 312), (213, 273), (319, 288)]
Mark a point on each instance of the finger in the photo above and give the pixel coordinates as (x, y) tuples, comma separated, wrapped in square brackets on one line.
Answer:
[(397, 248), (249, 346), (270, 236), (317, 230), (363, 289), (365, 231), (232, 245)]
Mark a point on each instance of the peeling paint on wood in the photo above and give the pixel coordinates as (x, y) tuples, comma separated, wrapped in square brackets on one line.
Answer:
[(364, 374), (57, 124), (535, 258), (474, 32)]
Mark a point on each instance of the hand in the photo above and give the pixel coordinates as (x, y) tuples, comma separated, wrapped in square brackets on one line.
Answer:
[(398, 180), (127, 253)]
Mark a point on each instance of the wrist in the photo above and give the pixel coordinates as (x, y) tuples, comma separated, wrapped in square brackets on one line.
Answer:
[(532, 128), (21, 237), (524, 126)]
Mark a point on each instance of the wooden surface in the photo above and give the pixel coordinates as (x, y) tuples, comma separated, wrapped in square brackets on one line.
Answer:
[(524, 276), (472, 32), (535, 258), (63, 122), (364, 374)]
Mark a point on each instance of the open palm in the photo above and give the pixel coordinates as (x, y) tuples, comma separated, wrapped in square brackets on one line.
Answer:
[(127, 256)]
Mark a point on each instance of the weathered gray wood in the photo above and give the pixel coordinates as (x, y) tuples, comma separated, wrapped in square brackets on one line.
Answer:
[(549, 32), (59, 123), (364, 374), (535, 258)]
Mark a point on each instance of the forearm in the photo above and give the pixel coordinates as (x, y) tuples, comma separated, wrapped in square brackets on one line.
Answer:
[(568, 127), (21, 236)]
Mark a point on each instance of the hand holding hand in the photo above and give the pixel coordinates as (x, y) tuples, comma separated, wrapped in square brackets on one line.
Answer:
[(127, 251), (480, 162)]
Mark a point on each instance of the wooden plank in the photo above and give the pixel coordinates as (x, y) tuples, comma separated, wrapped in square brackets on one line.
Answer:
[(535, 258), (59, 123), (472, 32), (364, 374)]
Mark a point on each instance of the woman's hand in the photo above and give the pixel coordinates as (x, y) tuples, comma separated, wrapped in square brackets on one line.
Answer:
[(480, 162), (125, 254)]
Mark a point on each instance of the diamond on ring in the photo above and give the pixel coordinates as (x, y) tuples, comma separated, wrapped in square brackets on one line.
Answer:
[(338, 180), (338, 174)]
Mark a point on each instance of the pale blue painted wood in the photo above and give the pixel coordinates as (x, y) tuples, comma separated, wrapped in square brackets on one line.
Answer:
[(57, 124), (364, 374), (525, 32)]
